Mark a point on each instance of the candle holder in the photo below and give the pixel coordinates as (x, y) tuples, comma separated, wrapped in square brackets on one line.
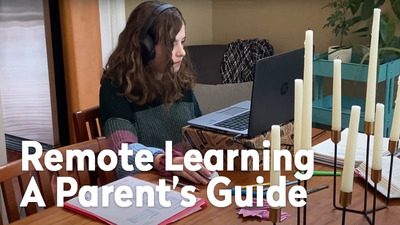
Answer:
[(369, 130), (393, 147), (376, 176), (345, 201), (304, 161), (298, 208), (335, 137), (275, 215)]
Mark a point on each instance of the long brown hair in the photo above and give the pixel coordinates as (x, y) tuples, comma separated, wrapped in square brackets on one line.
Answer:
[(125, 65)]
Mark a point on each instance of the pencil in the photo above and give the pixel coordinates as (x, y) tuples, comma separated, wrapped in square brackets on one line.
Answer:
[(323, 173), (317, 189), (179, 184)]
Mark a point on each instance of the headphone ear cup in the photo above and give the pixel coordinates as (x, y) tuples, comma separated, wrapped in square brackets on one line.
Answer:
[(147, 49)]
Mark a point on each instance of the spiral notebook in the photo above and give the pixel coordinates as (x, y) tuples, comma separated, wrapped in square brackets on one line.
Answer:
[(114, 214)]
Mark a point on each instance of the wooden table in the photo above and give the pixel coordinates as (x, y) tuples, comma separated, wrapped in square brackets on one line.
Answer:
[(319, 204)]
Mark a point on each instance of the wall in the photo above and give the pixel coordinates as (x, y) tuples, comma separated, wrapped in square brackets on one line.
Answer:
[(82, 53), (198, 16), (283, 23)]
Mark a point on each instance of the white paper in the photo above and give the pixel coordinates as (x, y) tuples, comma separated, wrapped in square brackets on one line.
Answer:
[(383, 184), (133, 214), (324, 151)]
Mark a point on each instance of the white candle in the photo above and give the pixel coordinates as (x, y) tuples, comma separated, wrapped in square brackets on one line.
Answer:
[(307, 92), (350, 155), (378, 137), (298, 108), (372, 67), (275, 145), (395, 130), (337, 95)]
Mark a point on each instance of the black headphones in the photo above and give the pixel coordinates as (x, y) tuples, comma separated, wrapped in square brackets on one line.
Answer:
[(146, 41)]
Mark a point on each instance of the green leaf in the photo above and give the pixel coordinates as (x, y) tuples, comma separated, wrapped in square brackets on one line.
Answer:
[(362, 30), (379, 3), (396, 7), (354, 5), (387, 29), (367, 9)]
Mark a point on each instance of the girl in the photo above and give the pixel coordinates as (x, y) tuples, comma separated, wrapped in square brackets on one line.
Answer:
[(146, 92)]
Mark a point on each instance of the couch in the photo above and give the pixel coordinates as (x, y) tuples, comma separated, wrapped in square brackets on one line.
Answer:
[(211, 94)]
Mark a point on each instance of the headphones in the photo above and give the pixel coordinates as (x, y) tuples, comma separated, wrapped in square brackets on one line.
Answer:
[(147, 44)]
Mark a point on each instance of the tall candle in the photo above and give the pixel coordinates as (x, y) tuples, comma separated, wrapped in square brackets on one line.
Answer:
[(337, 95), (372, 67), (275, 145), (378, 137), (307, 92), (350, 155), (395, 130), (298, 108)]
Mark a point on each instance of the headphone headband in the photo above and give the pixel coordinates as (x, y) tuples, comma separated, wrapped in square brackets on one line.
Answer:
[(153, 17)]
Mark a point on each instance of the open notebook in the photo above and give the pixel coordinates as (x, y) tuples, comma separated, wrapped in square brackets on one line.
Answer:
[(137, 215), (384, 183), (324, 151)]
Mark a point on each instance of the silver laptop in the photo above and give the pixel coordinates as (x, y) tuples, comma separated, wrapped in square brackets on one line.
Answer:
[(272, 99)]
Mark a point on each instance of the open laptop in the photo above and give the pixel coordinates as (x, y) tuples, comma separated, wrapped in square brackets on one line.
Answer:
[(272, 99)]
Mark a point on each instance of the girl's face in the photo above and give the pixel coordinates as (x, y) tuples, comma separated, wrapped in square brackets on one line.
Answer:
[(177, 53)]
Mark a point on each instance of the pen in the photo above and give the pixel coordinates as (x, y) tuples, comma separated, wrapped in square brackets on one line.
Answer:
[(179, 184), (323, 173), (317, 189), (287, 184)]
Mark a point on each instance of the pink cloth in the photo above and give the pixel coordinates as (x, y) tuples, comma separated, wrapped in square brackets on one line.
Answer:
[(261, 212)]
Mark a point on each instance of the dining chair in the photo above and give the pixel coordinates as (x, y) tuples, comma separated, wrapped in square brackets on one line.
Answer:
[(86, 124), (14, 181)]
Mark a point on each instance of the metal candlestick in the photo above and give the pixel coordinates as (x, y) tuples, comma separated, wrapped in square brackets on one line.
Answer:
[(345, 200), (368, 129), (298, 208), (275, 215), (376, 176), (335, 137), (393, 146)]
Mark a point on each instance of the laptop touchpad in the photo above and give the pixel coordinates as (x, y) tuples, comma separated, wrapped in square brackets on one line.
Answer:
[(233, 111)]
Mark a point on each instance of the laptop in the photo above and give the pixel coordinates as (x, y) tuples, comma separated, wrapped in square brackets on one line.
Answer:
[(272, 100)]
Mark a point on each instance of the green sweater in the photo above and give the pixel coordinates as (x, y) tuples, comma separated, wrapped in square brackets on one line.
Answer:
[(150, 124)]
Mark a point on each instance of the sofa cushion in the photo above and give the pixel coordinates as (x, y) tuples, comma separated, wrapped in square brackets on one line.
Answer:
[(215, 97), (206, 60)]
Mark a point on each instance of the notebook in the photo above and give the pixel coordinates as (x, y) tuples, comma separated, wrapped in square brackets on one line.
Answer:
[(324, 152), (384, 183), (272, 99), (113, 214)]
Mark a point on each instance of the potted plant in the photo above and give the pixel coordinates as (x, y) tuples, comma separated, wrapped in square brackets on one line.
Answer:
[(388, 56), (342, 19), (389, 43)]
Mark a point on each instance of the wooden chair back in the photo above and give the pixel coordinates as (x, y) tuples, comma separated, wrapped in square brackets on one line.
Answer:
[(14, 181), (86, 124)]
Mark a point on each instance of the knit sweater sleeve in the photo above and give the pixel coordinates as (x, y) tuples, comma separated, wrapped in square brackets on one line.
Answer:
[(117, 121), (116, 116)]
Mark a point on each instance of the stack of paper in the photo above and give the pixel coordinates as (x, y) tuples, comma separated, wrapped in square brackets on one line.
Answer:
[(383, 185), (324, 151)]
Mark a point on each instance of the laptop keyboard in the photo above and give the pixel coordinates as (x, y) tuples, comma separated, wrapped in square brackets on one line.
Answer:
[(239, 122)]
